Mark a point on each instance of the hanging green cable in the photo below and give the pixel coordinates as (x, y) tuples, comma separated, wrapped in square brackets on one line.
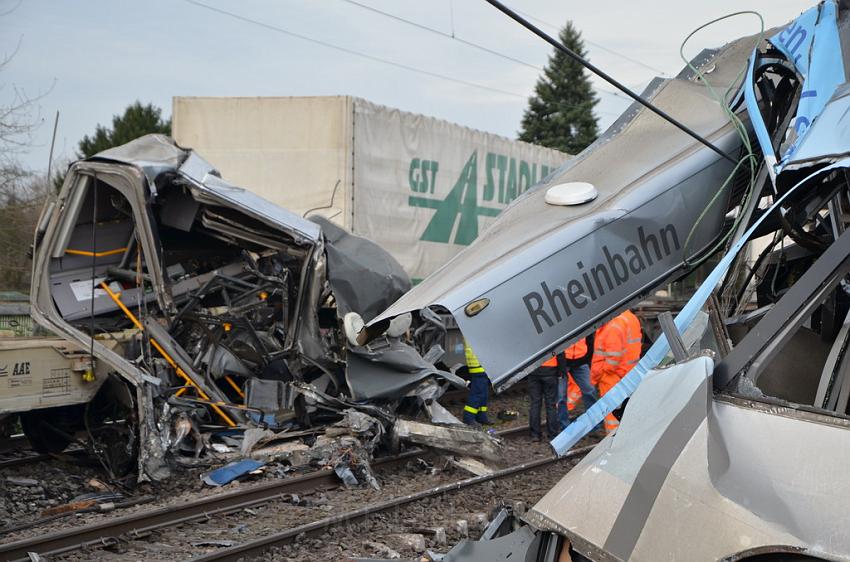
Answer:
[(739, 127)]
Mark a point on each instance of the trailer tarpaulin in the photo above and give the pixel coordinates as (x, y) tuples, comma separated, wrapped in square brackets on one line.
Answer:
[(444, 183)]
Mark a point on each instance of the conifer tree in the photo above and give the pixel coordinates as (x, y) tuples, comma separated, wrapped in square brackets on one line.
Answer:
[(136, 121), (560, 113)]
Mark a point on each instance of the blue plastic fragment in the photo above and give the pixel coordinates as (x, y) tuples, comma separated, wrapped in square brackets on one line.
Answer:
[(812, 43), (230, 472)]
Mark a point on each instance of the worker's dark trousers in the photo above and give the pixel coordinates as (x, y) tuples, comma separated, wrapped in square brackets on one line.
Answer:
[(543, 387), (476, 401)]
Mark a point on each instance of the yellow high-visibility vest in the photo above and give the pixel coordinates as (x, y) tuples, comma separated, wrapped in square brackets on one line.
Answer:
[(472, 362)]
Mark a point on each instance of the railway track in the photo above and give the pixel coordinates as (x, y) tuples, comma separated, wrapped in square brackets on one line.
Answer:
[(258, 547), (142, 524)]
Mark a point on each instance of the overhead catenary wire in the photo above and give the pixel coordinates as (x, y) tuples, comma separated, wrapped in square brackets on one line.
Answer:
[(451, 36), (602, 74), (352, 51), (594, 44), (402, 65)]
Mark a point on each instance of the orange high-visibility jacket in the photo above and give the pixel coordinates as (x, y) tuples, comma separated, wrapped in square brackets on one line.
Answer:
[(633, 344), (551, 362), (575, 351), (617, 347)]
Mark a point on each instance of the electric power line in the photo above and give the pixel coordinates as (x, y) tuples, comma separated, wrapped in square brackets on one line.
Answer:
[(379, 59), (352, 51), (597, 45), (454, 37), (443, 34)]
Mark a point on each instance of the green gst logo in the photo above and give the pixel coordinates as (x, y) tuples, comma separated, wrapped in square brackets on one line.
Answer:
[(504, 180)]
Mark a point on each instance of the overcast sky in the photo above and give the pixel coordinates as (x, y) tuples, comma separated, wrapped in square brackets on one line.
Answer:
[(91, 58)]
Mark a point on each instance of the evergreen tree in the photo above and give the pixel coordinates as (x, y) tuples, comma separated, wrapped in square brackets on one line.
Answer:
[(560, 113), (137, 120)]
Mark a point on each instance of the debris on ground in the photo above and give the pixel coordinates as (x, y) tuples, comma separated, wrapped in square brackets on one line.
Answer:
[(231, 471), (473, 466), (26, 482), (460, 439)]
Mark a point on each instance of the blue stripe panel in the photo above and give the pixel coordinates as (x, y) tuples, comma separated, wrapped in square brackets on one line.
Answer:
[(813, 44)]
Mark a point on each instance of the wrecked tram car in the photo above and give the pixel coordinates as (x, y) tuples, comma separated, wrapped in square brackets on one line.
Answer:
[(735, 444), (209, 306)]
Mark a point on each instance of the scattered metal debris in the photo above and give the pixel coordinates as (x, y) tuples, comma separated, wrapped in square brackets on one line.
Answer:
[(473, 466), (212, 324), (460, 439)]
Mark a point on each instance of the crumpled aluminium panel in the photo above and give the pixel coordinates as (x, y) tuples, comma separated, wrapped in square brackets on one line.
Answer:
[(681, 464)]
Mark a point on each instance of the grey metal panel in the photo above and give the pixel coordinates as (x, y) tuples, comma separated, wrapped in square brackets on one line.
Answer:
[(835, 366), (598, 488), (20, 309), (152, 154), (217, 191), (364, 277), (389, 368), (155, 154), (665, 183), (649, 144), (566, 294), (748, 475), (528, 223)]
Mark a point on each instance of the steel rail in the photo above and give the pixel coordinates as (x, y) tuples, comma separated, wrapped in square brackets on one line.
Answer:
[(137, 525), (257, 547)]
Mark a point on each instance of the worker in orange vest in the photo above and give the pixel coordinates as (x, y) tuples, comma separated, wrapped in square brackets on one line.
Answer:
[(575, 383), (616, 350)]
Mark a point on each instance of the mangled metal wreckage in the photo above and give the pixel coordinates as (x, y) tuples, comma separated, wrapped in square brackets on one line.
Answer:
[(736, 446), (211, 308)]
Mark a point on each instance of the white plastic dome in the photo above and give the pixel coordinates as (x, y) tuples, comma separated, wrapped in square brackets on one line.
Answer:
[(571, 193)]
